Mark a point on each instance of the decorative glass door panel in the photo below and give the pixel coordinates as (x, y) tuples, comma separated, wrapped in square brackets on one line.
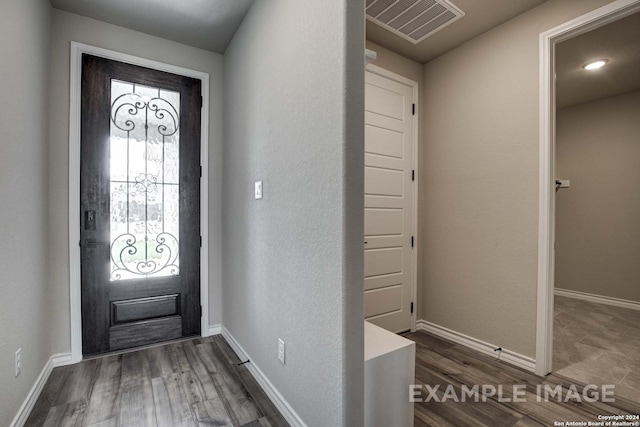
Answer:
[(144, 179), (140, 205)]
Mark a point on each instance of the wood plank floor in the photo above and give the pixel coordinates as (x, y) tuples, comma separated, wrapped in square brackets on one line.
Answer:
[(199, 383), (189, 383), (440, 362)]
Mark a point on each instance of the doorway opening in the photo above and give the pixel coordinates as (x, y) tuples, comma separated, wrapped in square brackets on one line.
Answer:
[(79, 219), (553, 187), (391, 199)]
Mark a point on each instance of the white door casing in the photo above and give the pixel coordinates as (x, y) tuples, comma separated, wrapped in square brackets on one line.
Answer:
[(390, 200), (77, 49), (604, 15)]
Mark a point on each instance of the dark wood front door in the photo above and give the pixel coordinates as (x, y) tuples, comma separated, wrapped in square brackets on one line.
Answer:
[(140, 205)]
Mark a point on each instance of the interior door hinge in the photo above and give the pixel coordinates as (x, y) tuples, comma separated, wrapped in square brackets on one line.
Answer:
[(413, 175), (80, 243), (200, 241), (411, 308), (200, 171), (200, 311), (201, 101), (413, 109), (411, 241)]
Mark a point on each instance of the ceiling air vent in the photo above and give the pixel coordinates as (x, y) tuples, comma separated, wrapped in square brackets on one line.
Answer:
[(414, 20)]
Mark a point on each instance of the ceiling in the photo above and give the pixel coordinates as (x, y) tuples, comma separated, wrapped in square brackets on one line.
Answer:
[(619, 42), (207, 24), (480, 16)]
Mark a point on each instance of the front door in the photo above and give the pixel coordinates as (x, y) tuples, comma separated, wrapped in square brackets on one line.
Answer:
[(140, 205), (388, 202)]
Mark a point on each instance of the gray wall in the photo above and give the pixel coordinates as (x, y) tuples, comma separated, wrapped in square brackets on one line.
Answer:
[(24, 285), (69, 27), (597, 228), (294, 118), (479, 184)]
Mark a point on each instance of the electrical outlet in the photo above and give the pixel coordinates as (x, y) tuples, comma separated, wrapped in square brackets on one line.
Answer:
[(18, 362), (281, 351)]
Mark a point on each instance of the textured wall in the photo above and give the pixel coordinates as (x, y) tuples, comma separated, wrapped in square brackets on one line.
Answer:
[(69, 27), (395, 63), (597, 229), (24, 285), (294, 118), (479, 187)]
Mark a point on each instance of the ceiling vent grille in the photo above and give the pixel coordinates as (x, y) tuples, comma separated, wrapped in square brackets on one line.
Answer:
[(413, 20)]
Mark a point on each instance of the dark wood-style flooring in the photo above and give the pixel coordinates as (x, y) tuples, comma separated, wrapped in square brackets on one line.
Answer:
[(199, 383), (189, 383), (440, 362)]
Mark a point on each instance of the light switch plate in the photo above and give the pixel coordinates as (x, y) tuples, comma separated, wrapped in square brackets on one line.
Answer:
[(281, 351), (258, 190), (18, 362)]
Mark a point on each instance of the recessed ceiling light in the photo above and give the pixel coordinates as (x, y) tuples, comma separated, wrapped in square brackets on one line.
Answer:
[(596, 64)]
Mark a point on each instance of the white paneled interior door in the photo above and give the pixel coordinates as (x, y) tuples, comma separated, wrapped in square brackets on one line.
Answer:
[(389, 202)]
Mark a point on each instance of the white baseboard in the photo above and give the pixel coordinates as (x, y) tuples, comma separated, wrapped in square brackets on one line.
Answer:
[(61, 359), (600, 299), (214, 330), (25, 410), (519, 360), (278, 400)]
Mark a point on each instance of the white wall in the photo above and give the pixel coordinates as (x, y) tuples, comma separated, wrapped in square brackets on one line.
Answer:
[(294, 118), (597, 228), (24, 285), (480, 185), (67, 27)]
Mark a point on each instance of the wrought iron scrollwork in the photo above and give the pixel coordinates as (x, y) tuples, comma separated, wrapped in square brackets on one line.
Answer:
[(126, 108), (124, 251), (149, 250), (146, 182)]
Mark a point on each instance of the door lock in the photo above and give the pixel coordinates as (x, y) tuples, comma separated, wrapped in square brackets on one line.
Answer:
[(90, 220)]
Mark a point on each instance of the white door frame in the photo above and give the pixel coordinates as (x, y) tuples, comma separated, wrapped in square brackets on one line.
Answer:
[(546, 227), (77, 49), (414, 226)]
